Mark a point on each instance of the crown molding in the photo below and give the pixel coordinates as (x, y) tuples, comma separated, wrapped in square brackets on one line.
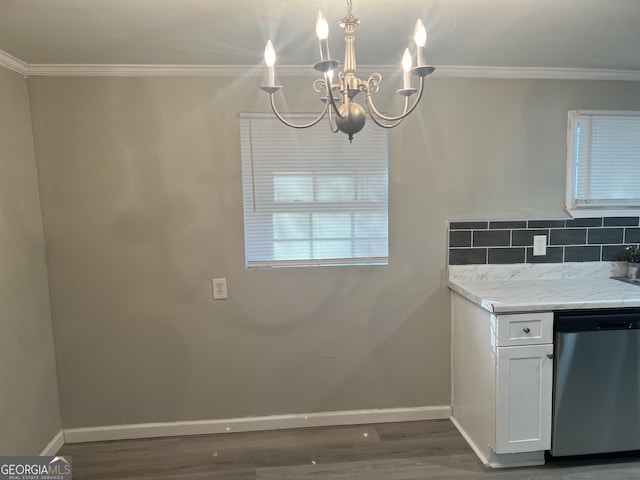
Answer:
[(102, 70), (13, 63), (537, 73), (442, 71), (98, 70)]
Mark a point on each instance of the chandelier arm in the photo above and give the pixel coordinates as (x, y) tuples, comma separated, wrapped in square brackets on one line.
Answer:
[(376, 118), (293, 125), (405, 112), (332, 101), (333, 128), (388, 126)]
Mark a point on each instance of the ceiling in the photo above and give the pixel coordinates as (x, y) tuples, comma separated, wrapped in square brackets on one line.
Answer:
[(582, 34)]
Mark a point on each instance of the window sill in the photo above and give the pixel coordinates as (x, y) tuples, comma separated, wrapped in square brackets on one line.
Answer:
[(603, 212)]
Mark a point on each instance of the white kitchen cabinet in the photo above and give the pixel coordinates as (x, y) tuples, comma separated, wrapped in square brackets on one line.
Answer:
[(502, 376), (523, 398)]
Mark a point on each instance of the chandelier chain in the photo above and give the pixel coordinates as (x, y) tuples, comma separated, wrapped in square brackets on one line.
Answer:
[(349, 7)]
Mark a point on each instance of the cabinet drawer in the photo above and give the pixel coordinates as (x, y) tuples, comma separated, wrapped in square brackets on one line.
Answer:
[(524, 329)]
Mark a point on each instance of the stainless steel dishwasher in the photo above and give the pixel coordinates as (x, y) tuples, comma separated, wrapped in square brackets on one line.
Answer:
[(596, 392)]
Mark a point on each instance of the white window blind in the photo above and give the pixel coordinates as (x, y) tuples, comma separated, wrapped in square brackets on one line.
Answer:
[(310, 197), (605, 160)]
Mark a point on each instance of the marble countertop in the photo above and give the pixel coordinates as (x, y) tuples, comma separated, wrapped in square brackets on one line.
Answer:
[(527, 288)]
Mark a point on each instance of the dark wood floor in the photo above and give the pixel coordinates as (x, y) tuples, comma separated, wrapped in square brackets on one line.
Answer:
[(430, 450)]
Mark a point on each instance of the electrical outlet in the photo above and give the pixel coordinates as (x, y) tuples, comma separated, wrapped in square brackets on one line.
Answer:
[(219, 286), (539, 245)]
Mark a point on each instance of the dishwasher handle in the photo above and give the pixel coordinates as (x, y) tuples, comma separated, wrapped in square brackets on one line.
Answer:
[(621, 325)]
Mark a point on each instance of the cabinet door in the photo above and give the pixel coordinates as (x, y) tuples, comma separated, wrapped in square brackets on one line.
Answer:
[(523, 398)]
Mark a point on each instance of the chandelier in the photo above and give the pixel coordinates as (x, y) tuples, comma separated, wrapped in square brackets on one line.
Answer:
[(345, 114)]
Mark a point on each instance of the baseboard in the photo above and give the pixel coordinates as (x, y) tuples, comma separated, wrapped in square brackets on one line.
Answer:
[(252, 424), (54, 445), (478, 451), (505, 460), (512, 460)]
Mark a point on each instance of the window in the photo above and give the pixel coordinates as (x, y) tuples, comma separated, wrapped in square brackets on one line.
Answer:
[(312, 198), (603, 162)]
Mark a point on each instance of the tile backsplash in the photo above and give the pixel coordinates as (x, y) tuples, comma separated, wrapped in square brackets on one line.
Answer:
[(511, 241)]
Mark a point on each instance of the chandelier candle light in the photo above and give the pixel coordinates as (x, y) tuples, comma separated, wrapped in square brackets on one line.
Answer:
[(345, 114)]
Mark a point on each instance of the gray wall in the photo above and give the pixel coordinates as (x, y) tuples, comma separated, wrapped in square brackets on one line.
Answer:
[(29, 410), (141, 195)]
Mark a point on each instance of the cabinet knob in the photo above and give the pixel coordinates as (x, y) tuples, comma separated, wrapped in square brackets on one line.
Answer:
[(549, 356), (526, 330)]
